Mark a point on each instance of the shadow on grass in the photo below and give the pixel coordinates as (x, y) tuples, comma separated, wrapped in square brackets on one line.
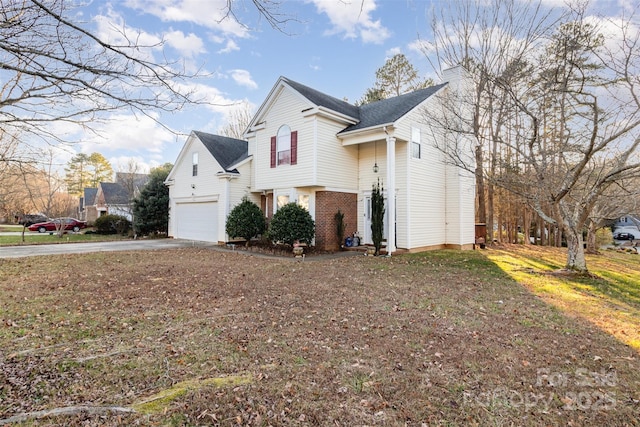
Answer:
[(610, 299)]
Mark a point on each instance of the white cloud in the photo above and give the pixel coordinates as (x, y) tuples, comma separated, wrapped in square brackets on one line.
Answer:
[(390, 53), (230, 47), (421, 46), (188, 45), (243, 78), (353, 18), (210, 13), (121, 163), (127, 133)]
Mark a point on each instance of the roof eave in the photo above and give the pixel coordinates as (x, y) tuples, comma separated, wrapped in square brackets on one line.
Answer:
[(371, 129)]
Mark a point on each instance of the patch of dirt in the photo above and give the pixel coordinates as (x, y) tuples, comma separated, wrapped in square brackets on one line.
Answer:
[(441, 338)]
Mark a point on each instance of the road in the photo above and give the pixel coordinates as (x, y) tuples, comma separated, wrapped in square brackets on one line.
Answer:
[(75, 248)]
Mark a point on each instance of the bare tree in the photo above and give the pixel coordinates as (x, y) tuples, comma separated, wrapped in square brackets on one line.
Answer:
[(562, 118), (238, 121), (486, 39), (54, 69), (591, 93)]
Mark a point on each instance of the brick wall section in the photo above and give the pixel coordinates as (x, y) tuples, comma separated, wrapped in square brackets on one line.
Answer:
[(327, 205)]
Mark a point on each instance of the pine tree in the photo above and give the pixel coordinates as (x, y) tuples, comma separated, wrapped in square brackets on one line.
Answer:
[(151, 207)]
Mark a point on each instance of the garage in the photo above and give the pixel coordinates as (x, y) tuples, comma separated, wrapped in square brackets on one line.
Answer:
[(197, 221)]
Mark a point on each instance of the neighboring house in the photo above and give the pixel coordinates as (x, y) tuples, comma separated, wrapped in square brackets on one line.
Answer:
[(627, 224), (627, 221), (325, 154), (115, 198), (87, 210)]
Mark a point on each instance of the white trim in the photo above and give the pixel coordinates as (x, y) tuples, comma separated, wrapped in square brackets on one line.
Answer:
[(314, 173), (391, 189), (196, 199)]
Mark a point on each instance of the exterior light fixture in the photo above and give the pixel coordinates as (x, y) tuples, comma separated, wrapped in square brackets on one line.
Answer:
[(375, 157)]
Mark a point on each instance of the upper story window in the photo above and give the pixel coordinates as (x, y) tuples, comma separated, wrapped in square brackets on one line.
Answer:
[(195, 165), (415, 143), (284, 147)]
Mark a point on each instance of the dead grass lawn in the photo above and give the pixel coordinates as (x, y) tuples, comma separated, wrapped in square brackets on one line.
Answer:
[(203, 337)]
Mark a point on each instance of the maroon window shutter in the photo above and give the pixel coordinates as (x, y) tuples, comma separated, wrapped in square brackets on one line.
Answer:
[(294, 147), (273, 152)]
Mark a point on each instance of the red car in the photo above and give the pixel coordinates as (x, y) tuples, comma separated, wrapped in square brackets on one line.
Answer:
[(55, 224)]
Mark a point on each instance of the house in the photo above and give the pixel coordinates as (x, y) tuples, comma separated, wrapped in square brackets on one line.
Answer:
[(325, 154), (87, 209), (114, 198), (627, 224)]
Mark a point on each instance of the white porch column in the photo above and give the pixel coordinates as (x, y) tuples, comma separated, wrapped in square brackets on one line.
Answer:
[(391, 194)]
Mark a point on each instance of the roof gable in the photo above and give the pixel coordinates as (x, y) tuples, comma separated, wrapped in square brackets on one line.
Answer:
[(391, 109), (114, 193), (90, 196), (227, 151), (323, 100)]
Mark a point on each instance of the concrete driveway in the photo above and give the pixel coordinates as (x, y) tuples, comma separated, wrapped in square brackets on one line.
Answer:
[(75, 248)]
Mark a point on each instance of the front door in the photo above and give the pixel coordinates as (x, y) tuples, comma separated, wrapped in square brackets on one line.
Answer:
[(366, 235)]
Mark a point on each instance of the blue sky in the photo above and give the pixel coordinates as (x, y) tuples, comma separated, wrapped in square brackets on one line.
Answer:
[(334, 46)]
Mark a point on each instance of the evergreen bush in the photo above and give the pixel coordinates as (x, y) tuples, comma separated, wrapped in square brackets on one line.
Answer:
[(292, 223), (245, 220)]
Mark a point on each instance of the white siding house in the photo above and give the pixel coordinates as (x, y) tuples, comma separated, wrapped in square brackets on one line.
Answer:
[(307, 147)]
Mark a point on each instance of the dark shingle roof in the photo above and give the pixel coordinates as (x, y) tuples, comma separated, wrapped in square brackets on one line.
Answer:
[(391, 109), (90, 196), (324, 100), (226, 151), (114, 194)]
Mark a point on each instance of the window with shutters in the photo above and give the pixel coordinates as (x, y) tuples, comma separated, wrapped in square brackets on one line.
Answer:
[(284, 147)]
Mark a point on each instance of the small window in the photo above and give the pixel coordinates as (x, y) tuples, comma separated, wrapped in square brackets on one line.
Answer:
[(303, 200), (195, 164), (284, 145), (415, 143), (282, 200)]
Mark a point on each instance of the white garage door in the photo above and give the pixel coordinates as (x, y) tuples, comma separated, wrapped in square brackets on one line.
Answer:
[(197, 221)]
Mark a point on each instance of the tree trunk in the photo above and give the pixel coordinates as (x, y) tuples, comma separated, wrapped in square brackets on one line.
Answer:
[(575, 250), (591, 238), (482, 210), (526, 228), (490, 213)]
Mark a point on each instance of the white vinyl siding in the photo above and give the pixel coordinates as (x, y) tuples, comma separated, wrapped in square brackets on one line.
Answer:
[(337, 165), (285, 111)]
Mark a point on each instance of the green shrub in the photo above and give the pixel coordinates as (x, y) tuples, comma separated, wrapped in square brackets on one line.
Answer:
[(245, 220), (292, 223), (112, 224)]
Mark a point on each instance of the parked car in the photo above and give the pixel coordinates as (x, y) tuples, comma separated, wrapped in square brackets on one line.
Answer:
[(56, 224), (623, 236), (29, 219)]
